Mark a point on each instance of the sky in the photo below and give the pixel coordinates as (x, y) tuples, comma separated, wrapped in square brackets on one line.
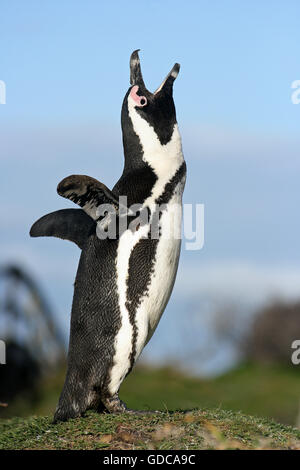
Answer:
[(66, 69)]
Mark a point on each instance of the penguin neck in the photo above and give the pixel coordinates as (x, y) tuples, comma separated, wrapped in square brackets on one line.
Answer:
[(142, 146), (150, 167), (133, 153)]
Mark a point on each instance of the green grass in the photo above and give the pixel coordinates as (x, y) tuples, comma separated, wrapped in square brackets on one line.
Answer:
[(262, 390), (262, 393), (233, 411), (266, 391), (205, 429)]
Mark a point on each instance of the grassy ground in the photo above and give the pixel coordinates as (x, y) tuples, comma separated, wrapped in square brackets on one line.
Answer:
[(265, 391), (206, 429)]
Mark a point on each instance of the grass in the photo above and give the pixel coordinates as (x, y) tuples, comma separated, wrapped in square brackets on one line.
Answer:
[(264, 394), (266, 391), (197, 429), (270, 391)]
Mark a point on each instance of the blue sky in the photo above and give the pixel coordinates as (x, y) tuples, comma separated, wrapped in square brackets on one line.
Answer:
[(66, 69), (67, 60)]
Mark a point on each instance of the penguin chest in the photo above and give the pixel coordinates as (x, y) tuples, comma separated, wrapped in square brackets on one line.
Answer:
[(162, 274), (145, 270)]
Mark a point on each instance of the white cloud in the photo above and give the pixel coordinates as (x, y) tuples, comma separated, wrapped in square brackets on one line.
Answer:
[(202, 141), (239, 280)]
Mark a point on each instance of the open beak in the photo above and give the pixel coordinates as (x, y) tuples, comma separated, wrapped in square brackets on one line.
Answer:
[(136, 77), (170, 78)]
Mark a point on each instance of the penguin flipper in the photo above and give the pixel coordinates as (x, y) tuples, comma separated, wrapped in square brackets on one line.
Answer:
[(88, 193), (69, 224)]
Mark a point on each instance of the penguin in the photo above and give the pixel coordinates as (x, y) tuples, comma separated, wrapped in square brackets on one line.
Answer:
[(123, 283)]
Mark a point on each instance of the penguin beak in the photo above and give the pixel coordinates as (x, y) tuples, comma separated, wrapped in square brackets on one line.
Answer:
[(167, 83), (136, 77)]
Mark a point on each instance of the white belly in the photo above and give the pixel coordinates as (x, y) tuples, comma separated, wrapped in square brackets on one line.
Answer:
[(162, 281), (154, 301)]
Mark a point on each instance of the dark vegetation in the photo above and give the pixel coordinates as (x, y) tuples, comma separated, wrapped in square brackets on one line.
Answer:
[(274, 329)]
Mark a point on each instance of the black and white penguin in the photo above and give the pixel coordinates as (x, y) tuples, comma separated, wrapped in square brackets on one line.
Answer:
[(122, 285)]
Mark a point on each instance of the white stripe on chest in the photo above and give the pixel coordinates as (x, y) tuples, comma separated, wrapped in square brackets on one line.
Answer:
[(165, 160), (153, 302), (163, 274)]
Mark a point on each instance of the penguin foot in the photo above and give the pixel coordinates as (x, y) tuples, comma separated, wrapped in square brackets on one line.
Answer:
[(65, 414), (114, 404)]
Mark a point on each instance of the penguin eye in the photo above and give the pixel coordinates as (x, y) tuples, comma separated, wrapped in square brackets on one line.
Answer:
[(139, 100)]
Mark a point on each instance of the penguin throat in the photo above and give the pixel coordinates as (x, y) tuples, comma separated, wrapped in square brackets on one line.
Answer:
[(164, 159)]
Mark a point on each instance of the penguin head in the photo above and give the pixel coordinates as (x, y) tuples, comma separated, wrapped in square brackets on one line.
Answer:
[(148, 119)]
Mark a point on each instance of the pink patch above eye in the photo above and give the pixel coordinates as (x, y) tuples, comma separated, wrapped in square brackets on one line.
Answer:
[(140, 100)]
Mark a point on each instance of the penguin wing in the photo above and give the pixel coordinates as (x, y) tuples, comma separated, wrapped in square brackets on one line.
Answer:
[(69, 224), (88, 193)]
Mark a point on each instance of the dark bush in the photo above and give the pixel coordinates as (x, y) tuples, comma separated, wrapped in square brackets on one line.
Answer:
[(273, 331)]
